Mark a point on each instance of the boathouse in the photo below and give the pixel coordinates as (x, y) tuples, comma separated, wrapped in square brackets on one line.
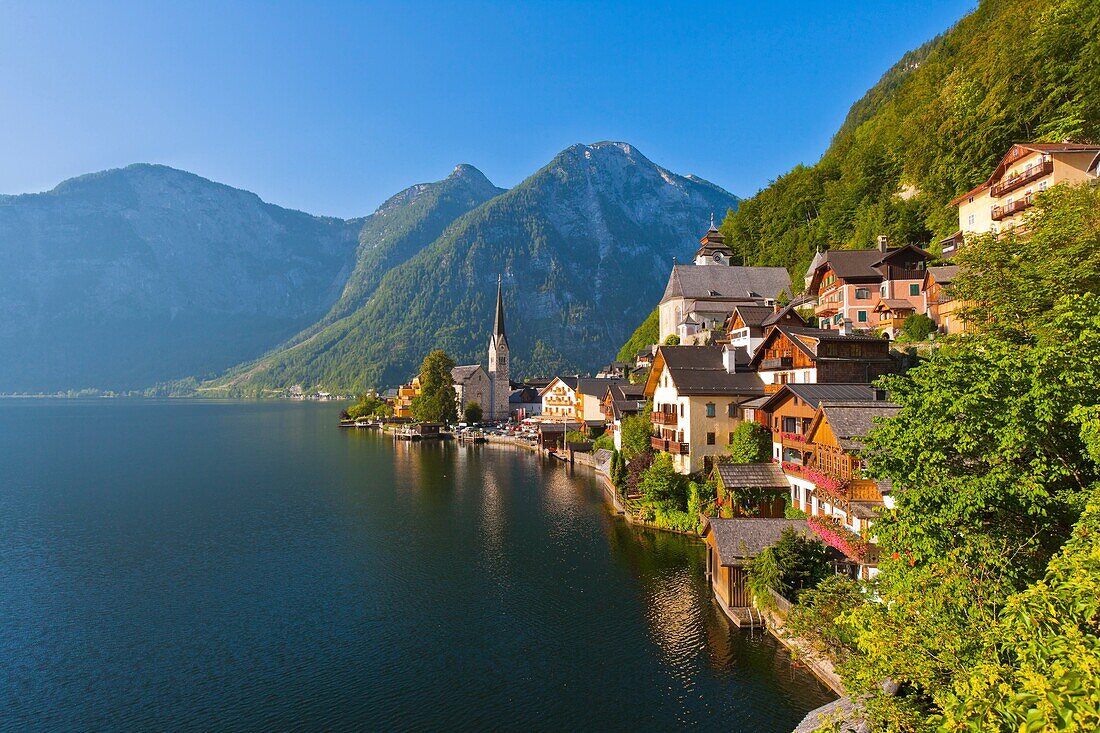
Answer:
[(731, 545), (751, 489)]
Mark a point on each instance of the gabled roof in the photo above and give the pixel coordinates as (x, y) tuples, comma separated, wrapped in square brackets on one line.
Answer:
[(859, 265), (850, 421), (752, 316), (743, 539), (699, 370), (807, 341), (815, 394), (713, 282), (570, 382), (894, 304), (596, 387), (943, 274), (752, 476), (462, 373), (788, 311)]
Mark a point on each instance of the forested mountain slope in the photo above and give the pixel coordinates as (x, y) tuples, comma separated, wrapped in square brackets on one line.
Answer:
[(933, 127), (584, 246)]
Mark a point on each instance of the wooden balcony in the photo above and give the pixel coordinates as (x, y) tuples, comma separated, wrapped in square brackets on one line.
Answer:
[(1020, 179), (892, 272), (668, 446), (826, 307), (794, 440), (777, 362), (864, 490), (664, 418), (1003, 212)]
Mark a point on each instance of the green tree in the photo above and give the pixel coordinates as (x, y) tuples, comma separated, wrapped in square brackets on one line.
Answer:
[(636, 432), (793, 564), (661, 486), (752, 443), (436, 401), (644, 336), (918, 327), (472, 413), (672, 340)]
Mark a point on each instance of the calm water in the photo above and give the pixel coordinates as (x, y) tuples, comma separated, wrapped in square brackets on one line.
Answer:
[(248, 567)]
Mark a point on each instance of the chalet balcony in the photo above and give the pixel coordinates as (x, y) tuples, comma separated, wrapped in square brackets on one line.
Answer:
[(793, 440), (664, 418), (777, 362), (1021, 179), (893, 272), (826, 308), (669, 446), (1003, 212)]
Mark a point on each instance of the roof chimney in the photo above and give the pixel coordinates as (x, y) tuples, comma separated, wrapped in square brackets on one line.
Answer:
[(846, 327), (729, 358), (882, 243)]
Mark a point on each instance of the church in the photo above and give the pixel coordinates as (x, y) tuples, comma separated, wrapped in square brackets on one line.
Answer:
[(490, 390)]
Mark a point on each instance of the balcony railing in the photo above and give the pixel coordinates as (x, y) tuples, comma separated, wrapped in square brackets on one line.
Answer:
[(777, 362), (1002, 212), (893, 272), (826, 307), (668, 446), (1027, 176), (664, 418)]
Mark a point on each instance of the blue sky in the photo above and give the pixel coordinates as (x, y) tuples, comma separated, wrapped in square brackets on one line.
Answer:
[(332, 107)]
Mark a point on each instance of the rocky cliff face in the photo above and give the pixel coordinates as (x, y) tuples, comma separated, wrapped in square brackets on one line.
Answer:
[(123, 278), (584, 245)]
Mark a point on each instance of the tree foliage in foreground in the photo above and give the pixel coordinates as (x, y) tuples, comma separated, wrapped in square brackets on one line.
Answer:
[(752, 443), (987, 597)]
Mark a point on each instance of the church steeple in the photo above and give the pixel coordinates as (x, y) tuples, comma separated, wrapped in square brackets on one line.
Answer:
[(712, 248), (498, 322)]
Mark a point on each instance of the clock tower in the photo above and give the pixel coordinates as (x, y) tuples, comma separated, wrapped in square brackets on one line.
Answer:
[(499, 386)]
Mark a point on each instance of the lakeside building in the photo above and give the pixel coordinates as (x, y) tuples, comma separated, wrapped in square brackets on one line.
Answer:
[(699, 297), (471, 384), (697, 392), (1001, 201), (500, 387), (794, 355), (849, 283), (525, 401), (751, 490), (620, 401), (577, 399), (731, 546), (402, 404)]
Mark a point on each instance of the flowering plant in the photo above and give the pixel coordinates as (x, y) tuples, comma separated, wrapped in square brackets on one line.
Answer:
[(834, 535), (828, 484)]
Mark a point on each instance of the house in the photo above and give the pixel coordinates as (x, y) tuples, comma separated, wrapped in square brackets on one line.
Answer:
[(577, 399), (747, 324), (789, 411), (697, 392), (402, 406), (1001, 200), (940, 303), (471, 384), (620, 401), (848, 283), (644, 359), (551, 435), (699, 297), (731, 546), (525, 402), (889, 315), (614, 370), (792, 355), (829, 485), (751, 489)]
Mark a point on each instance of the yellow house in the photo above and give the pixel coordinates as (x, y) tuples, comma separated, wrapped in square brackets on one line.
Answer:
[(1001, 201), (402, 406)]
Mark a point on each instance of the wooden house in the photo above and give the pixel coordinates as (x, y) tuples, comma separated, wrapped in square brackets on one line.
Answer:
[(940, 303), (792, 355), (890, 313), (751, 490), (731, 546)]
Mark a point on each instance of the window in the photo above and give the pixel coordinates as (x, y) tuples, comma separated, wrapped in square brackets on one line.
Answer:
[(731, 409), (1042, 185), (970, 220), (681, 409), (861, 316), (710, 409), (914, 288), (710, 438), (863, 293), (970, 200)]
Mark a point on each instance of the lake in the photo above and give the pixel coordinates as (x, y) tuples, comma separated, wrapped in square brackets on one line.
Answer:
[(248, 566)]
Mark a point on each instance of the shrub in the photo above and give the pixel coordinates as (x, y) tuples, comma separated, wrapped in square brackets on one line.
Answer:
[(918, 327), (604, 441), (472, 413), (752, 443)]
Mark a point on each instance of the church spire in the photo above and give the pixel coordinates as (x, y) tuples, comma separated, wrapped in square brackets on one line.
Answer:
[(498, 323)]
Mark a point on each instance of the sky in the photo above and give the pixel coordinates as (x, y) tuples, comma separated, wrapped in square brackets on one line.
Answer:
[(333, 107)]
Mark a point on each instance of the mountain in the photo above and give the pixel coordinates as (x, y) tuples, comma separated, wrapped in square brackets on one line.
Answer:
[(933, 127), (584, 246), (120, 279)]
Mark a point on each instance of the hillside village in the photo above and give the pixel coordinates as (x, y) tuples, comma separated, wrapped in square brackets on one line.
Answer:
[(747, 420)]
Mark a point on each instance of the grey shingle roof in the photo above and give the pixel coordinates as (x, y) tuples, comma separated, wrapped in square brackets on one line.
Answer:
[(595, 387), (719, 282), (742, 539), (461, 373), (842, 712), (698, 370), (851, 421), (814, 394), (944, 274), (752, 476), (754, 315)]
